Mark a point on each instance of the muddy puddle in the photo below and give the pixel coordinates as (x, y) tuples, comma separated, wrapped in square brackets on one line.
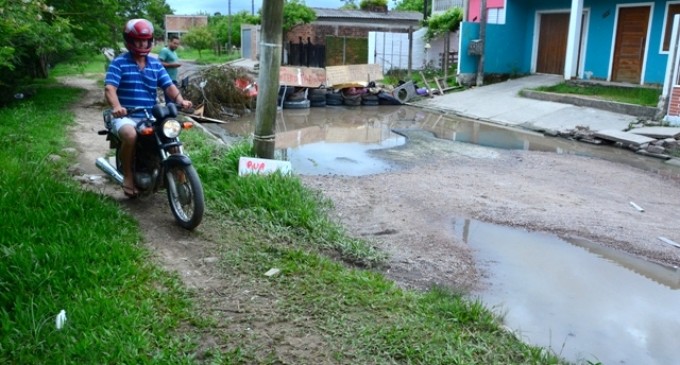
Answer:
[(347, 140), (584, 301)]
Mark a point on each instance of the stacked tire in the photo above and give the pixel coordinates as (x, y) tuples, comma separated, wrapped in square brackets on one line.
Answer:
[(369, 99), (352, 96), (334, 98), (351, 100), (296, 100), (317, 97)]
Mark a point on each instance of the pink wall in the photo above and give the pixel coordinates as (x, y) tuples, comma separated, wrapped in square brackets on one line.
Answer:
[(473, 11)]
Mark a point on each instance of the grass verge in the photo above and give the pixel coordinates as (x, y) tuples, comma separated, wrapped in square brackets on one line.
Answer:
[(65, 248), (354, 313), (631, 95)]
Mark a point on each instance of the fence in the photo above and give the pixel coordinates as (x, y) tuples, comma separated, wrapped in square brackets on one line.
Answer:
[(306, 54)]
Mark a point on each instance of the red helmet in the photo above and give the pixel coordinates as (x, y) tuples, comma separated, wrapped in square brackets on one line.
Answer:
[(138, 29)]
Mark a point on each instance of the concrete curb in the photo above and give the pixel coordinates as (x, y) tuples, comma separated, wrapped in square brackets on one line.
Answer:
[(622, 108)]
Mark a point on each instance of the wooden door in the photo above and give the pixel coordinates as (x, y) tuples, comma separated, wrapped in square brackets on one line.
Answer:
[(552, 43), (629, 49)]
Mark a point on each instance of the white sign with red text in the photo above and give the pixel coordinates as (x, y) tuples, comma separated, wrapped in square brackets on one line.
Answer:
[(253, 165)]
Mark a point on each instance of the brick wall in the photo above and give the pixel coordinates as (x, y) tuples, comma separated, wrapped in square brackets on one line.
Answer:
[(318, 33), (674, 102), (182, 24)]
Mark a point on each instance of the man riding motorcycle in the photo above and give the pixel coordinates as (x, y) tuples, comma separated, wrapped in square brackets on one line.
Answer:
[(131, 82)]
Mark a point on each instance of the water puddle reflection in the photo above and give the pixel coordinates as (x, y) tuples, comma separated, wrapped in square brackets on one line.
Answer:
[(584, 301), (341, 140)]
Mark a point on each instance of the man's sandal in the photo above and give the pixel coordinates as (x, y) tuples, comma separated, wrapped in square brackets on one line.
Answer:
[(130, 191)]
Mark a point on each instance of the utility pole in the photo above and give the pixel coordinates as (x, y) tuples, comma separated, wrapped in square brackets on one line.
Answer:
[(268, 79), (252, 7), (482, 37), (229, 29)]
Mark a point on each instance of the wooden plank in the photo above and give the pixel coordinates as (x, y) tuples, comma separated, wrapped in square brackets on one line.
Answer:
[(623, 137), (430, 90), (657, 132), (352, 73), (439, 86), (302, 76), (206, 119)]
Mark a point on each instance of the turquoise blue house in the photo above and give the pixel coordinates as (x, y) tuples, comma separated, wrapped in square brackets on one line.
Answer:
[(612, 40)]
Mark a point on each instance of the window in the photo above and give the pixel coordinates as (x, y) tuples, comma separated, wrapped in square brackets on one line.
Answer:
[(496, 16), (673, 9)]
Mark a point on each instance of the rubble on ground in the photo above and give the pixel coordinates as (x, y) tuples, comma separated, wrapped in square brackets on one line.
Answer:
[(223, 91), (648, 138)]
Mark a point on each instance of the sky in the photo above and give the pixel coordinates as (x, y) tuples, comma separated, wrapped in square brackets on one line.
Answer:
[(191, 7)]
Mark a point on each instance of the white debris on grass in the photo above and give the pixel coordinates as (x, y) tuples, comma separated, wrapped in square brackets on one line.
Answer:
[(61, 319), (273, 271)]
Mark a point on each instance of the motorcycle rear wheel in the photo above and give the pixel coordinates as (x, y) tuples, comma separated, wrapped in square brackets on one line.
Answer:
[(185, 195)]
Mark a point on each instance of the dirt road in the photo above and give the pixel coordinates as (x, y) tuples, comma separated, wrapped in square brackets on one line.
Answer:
[(409, 213)]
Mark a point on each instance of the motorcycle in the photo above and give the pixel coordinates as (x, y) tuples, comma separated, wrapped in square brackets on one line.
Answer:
[(160, 162)]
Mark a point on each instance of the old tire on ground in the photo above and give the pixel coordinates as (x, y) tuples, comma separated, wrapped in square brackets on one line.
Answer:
[(296, 104)]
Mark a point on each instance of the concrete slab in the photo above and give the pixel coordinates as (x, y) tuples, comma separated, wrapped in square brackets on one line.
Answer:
[(623, 137), (570, 117), (501, 103), (657, 132)]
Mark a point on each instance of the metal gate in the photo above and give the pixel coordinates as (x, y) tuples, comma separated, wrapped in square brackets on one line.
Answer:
[(306, 54)]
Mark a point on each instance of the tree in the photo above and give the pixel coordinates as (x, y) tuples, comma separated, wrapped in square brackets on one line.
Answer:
[(349, 5), (295, 13), (156, 12), (219, 26), (32, 35), (373, 5), (37, 34), (441, 24), (410, 5), (199, 38)]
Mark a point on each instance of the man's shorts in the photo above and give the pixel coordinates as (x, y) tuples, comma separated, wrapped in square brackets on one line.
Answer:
[(118, 123)]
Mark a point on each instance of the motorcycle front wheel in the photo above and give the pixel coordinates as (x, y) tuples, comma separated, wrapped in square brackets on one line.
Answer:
[(185, 195)]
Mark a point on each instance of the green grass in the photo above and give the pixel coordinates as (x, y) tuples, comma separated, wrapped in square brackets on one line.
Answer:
[(64, 248), (90, 64), (631, 95)]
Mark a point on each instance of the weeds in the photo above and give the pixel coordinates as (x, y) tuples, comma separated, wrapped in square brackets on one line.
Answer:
[(64, 248), (632, 95)]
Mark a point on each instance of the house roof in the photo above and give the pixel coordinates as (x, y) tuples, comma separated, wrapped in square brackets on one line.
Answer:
[(323, 13)]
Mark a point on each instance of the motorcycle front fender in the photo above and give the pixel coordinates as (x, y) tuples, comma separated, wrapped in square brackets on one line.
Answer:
[(177, 160)]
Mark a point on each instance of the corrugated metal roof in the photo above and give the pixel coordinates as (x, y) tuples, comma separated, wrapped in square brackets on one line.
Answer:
[(360, 14)]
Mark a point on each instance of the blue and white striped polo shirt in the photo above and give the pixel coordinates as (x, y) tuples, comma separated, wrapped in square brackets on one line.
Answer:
[(137, 88)]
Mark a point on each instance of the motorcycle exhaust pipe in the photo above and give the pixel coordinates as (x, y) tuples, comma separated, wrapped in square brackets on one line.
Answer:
[(104, 165)]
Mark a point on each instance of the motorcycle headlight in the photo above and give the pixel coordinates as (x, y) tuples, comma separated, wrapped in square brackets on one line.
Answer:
[(171, 128)]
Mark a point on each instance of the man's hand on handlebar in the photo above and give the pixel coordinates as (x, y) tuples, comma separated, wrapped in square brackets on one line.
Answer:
[(119, 112), (186, 104)]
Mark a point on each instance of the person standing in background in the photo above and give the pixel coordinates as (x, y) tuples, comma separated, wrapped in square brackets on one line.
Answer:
[(169, 60)]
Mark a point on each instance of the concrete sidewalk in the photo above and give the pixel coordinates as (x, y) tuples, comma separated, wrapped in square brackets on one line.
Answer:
[(501, 104)]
